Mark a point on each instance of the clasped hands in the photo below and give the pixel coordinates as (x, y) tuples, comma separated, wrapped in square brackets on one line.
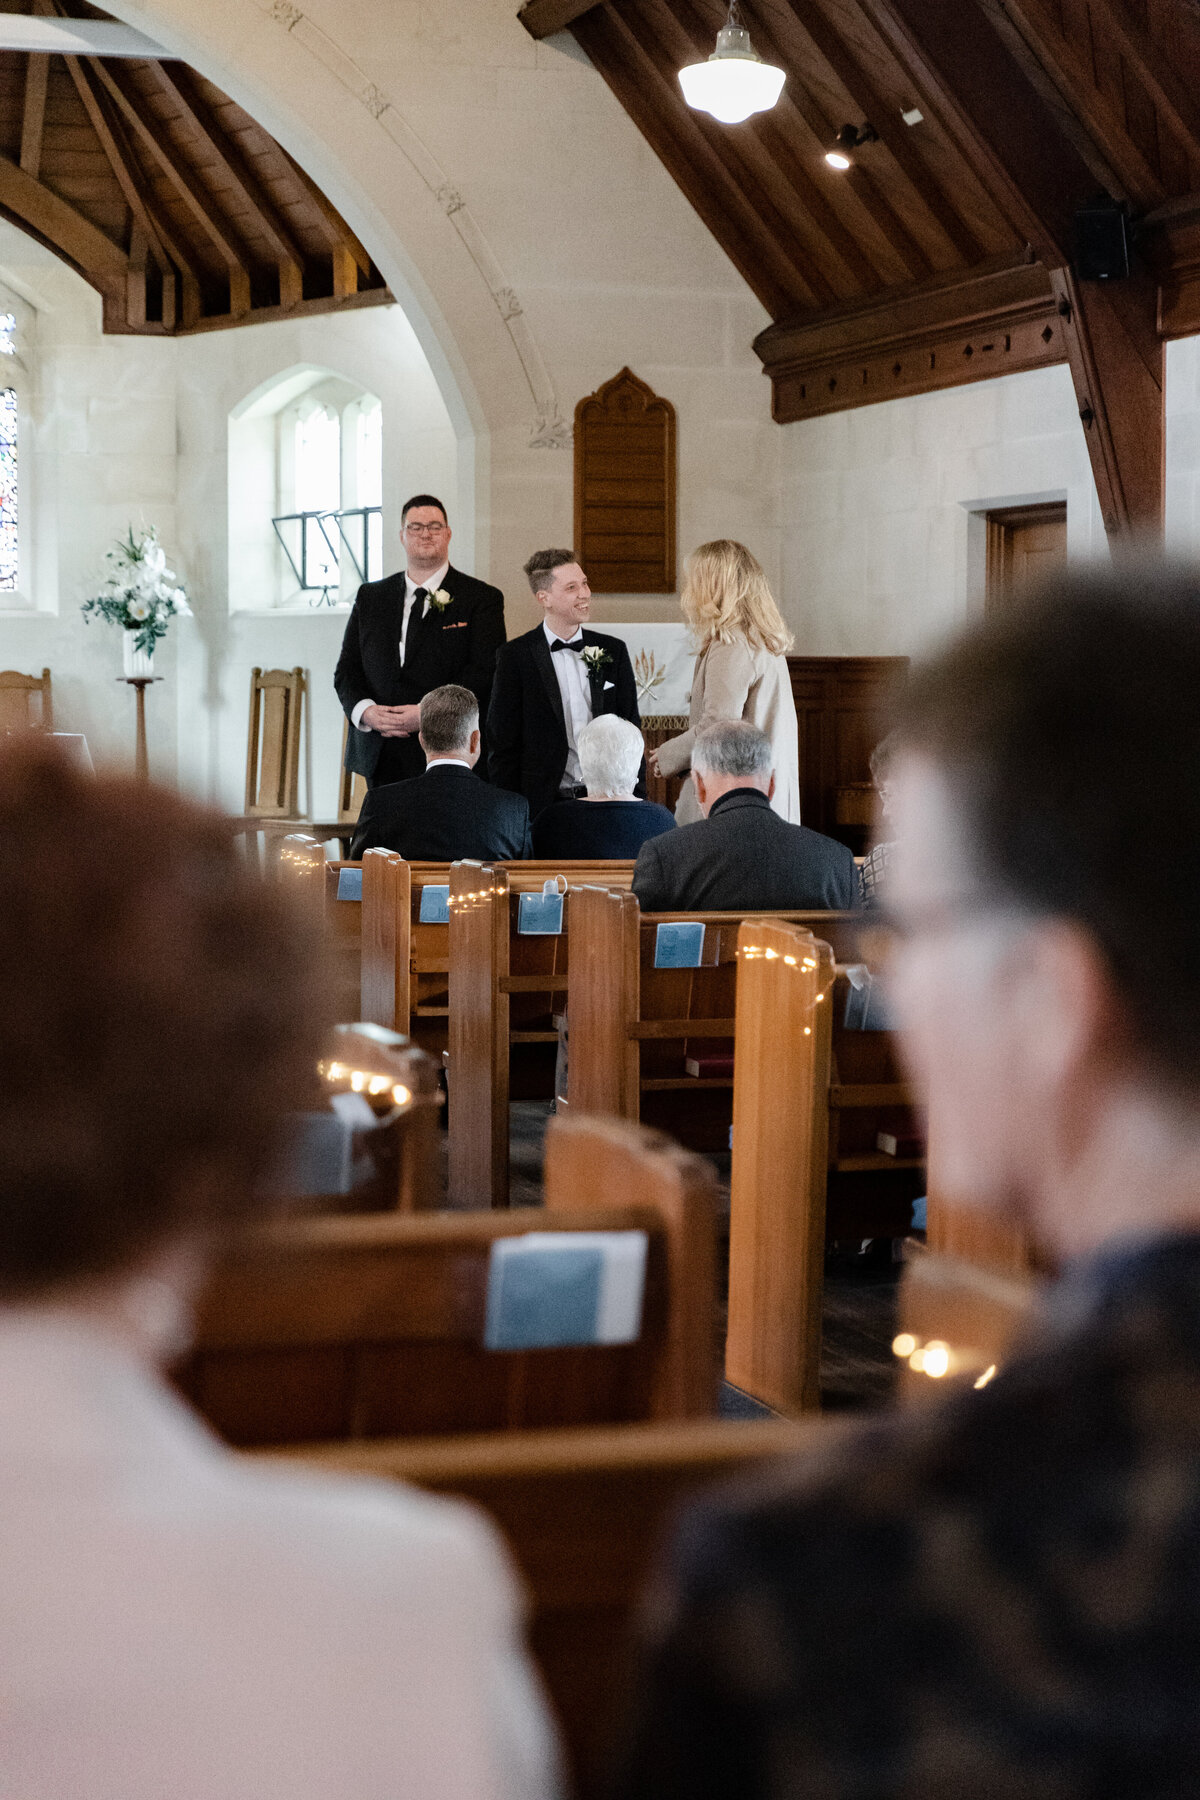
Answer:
[(392, 721)]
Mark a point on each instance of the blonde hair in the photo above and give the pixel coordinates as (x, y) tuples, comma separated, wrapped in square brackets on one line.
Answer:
[(725, 597)]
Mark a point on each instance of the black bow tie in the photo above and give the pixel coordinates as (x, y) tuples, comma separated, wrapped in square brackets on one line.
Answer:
[(562, 644)]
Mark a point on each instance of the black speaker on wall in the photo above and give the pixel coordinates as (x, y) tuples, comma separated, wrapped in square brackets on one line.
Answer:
[(1102, 241)]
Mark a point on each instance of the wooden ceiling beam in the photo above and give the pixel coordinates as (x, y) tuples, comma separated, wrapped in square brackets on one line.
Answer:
[(66, 230), (893, 132), (33, 113), (186, 186), (180, 86), (1019, 150), (1172, 98), (674, 132), (165, 244), (542, 18), (338, 233), (1070, 69)]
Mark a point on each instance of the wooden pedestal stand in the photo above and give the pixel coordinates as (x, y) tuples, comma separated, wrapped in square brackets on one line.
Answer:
[(141, 683)]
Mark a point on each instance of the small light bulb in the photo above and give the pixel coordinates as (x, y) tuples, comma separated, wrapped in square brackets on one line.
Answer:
[(379, 1084), (904, 1344), (790, 961), (986, 1376), (837, 159), (937, 1359), (358, 1081), (401, 1095)]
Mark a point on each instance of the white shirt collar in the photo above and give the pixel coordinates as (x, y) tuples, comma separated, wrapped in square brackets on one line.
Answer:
[(440, 762), (553, 637), (431, 584)]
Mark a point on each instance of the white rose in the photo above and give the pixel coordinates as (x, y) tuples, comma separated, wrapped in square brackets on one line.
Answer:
[(139, 609)]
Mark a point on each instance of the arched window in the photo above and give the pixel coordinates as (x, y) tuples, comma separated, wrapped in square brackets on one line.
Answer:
[(305, 493)]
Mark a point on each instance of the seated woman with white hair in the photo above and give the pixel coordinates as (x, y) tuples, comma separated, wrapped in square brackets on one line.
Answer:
[(610, 821)]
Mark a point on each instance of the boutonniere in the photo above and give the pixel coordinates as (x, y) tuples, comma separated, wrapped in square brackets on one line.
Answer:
[(441, 600), (596, 657)]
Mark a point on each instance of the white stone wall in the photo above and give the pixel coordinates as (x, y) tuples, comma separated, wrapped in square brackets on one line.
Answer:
[(881, 508)]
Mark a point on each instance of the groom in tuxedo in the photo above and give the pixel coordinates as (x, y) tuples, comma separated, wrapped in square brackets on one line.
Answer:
[(552, 682), (407, 635)]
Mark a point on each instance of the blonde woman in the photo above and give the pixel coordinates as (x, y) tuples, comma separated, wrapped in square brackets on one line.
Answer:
[(741, 670)]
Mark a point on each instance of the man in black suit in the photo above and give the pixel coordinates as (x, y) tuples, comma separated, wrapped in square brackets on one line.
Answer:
[(447, 813), (552, 682), (741, 856), (407, 635)]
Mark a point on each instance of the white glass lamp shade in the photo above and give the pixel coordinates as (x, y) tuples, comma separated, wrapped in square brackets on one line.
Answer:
[(734, 82)]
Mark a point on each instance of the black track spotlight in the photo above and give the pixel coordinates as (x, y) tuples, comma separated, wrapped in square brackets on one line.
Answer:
[(840, 154)]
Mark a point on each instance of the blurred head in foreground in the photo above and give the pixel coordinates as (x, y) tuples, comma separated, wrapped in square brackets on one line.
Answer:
[(161, 1010), (1045, 788)]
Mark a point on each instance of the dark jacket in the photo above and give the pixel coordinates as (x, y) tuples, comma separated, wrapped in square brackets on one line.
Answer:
[(744, 857), (526, 734), (999, 1596), (459, 644), (445, 815), (584, 830)]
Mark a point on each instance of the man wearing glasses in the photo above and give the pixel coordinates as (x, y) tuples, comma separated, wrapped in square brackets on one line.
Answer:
[(407, 635)]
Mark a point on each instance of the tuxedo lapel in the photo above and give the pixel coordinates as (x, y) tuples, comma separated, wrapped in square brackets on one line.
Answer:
[(540, 651)]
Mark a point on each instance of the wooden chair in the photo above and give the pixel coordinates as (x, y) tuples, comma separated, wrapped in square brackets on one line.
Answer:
[(585, 1514), (352, 788), (17, 695), (505, 992), (273, 746), (633, 1026), (777, 1196), (373, 1326)]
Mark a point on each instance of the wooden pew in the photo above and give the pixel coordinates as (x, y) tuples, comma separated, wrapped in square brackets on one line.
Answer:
[(400, 1083), (505, 992), (870, 1192), (371, 1326), (585, 1513), (780, 1152), (631, 1026)]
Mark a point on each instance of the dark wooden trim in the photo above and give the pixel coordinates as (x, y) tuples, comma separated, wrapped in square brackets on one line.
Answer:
[(33, 116), (1117, 366), (965, 328), (326, 303), (542, 18)]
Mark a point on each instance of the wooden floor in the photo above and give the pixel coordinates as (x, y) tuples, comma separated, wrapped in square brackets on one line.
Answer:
[(859, 1323)]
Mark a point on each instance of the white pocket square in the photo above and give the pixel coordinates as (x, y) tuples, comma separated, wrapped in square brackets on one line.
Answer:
[(609, 684)]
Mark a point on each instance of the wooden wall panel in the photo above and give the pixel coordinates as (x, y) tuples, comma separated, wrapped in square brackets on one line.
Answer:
[(625, 488), (842, 713)]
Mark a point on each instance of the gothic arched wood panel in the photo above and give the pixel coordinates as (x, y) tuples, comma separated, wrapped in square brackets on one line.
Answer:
[(625, 488)]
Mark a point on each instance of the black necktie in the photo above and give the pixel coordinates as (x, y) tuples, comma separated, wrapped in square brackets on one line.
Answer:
[(562, 644), (415, 615)]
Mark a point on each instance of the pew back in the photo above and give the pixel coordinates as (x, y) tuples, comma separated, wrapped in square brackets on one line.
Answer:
[(362, 1327), (777, 1194), (584, 1513), (506, 990), (634, 1026)]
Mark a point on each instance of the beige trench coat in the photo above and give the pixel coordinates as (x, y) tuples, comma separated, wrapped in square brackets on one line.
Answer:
[(741, 681)]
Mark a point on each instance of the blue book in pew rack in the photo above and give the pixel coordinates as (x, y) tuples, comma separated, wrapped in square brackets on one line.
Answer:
[(550, 1289), (540, 915), (349, 884), (435, 905), (679, 944)]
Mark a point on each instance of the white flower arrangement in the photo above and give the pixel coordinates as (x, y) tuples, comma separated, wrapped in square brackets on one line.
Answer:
[(140, 592), (596, 657)]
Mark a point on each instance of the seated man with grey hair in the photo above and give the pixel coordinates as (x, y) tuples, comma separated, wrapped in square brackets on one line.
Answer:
[(741, 856), (447, 813), (610, 820)]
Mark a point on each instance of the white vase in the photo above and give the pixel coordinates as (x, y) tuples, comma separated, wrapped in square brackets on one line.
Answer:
[(139, 664)]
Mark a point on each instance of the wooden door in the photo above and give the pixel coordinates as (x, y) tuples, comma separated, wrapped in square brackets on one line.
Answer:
[(1025, 544)]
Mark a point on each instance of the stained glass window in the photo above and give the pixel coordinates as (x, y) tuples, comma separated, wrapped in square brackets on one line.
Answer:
[(8, 488), (8, 325)]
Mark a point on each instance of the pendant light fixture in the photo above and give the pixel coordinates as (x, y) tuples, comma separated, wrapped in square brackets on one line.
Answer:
[(735, 81)]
